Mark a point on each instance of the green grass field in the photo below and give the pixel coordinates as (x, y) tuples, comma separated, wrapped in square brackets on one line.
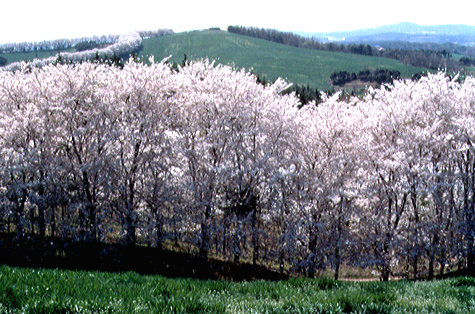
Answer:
[(29, 56), (296, 65), (24, 290)]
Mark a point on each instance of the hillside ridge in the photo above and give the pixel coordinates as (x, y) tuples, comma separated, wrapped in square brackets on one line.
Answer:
[(266, 59), (405, 31)]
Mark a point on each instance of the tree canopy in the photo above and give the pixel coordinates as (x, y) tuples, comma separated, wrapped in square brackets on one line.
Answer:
[(208, 158)]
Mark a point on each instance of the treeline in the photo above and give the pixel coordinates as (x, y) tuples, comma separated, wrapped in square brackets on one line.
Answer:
[(126, 45), (56, 45), (428, 59), (421, 58), (84, 43), (156, 33), (467, 61), (88, 45), (208, 161), (450, 48), (380, 76), (286, 38)]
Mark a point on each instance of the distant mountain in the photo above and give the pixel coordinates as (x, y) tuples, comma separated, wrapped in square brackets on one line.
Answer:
[(409, 32)]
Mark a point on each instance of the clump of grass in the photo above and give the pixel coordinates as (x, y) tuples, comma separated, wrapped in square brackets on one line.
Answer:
[(464, 282)]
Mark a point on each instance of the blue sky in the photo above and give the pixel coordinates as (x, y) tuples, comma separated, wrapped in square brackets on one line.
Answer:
[(26, 20)]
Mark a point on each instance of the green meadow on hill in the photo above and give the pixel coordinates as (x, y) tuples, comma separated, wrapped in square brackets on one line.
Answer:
[(267, 59), (29, 56)]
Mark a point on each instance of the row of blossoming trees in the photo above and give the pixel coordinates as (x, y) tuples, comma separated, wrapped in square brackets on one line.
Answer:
[(208, 159), (125, 45), (67, 43)]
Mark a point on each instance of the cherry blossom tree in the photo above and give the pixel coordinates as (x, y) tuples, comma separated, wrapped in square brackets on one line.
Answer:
[(139, 143), (222, 117), (329, 162), (125, 45), (205, 156)]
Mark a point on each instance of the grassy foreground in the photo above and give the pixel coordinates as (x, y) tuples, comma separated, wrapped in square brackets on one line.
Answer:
[(25, 290)]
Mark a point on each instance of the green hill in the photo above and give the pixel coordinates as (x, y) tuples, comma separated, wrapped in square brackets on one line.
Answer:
[(29, 56), (269, 59), (297, 65)]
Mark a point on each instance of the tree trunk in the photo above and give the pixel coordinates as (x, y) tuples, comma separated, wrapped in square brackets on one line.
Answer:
[(10, 225), (130, 198), (385, 272), (435, 243), (470, 256), (416, 230), (159, 226), (255, 238), (414, 265), (237, 243), (386, 259), (471, 225), (337, 265), (53, 221), (204, 240), (32, 222), (41, 221), (18, 213), (225, 234), (92, 221), (82, 224), (431, 266), (281, 261), (312, 258), (41, 208), (312, 246), (131, 238), (204, 246)]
